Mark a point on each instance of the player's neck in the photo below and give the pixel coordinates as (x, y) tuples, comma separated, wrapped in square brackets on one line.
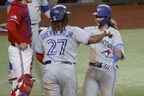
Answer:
[(58, 28)]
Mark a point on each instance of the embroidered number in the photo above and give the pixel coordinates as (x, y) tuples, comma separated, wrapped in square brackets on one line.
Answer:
[(55, 45)]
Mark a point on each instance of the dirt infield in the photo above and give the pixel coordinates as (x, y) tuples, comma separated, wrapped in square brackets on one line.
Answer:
[(127, 16)]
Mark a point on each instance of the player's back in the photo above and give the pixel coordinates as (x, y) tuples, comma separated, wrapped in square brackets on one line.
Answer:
[(61, 46)]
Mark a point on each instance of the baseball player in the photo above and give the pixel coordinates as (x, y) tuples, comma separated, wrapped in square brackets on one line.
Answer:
[(35, 8), (19, 51), (101, 74), (57, 49)]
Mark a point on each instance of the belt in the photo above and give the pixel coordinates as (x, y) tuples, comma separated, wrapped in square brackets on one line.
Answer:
[(34, 23), (12, 79), (99, 65), (65, 62), (15, 45), (96, 64)]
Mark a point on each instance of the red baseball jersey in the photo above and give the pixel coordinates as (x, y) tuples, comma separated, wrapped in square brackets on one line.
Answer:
[(19, 25)]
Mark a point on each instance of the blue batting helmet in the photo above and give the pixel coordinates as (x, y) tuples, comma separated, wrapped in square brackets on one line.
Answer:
[(103, 10), (58, 12)]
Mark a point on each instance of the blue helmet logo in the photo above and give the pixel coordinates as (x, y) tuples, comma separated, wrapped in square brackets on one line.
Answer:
[(103, 10), (58, 12)]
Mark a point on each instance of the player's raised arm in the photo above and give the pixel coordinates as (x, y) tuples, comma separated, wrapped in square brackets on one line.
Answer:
[(87, 37), (39, 49), (97, 38), (45, 7)]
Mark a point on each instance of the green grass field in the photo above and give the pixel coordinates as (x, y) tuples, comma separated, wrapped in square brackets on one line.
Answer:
[(130, 79)]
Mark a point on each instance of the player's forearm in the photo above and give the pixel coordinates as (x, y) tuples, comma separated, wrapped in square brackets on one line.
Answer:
[(8, 8), (96, 38), (47, 14), (118, 53), (8, 3), (11, 25), (45, 10)]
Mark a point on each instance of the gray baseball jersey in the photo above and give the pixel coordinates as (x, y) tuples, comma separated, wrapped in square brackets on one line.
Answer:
[(102, 79), (104, 49), (35, 16), (60, 49), (35, 11), (61, 46)]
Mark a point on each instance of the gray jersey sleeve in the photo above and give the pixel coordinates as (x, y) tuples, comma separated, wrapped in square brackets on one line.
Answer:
[(81, 35), (117, 40), (92, 30), (38, 46)]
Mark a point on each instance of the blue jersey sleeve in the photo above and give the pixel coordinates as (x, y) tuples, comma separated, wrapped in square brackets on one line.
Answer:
[(44, 5), (44, 8)]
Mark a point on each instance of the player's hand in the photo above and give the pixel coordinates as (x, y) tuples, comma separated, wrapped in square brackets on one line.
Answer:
[(23, 46), (107, 33), (104, 29)]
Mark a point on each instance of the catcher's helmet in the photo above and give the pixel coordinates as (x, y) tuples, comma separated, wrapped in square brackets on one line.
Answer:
[(58, 12), (103, 10)]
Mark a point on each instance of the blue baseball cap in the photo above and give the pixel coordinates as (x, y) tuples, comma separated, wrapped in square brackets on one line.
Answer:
[(58, 12), (103, 10)]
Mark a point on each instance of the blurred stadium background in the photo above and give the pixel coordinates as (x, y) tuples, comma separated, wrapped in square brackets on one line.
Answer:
[(130, 17)]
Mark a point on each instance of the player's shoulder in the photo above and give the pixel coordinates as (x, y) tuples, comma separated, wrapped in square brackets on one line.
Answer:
[(91, 28), (14, 7), (17, 9), (14, 13), (74, 28)]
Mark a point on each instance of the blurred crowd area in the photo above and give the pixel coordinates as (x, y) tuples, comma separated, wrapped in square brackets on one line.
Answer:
[(4, 2), (129, 19)]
